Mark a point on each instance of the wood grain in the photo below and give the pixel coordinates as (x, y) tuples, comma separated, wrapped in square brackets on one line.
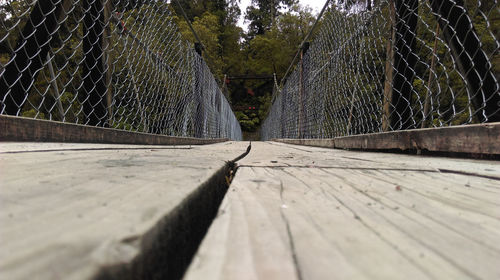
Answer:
[(70, 213), (335, 214), (478, 139), (18, 129)]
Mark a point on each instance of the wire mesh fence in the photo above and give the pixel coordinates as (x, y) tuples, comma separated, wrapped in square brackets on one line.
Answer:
[(110, 63), (388, 65)]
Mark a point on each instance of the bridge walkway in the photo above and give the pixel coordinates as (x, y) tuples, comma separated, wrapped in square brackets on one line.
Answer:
[(296, 212), (96, 211)]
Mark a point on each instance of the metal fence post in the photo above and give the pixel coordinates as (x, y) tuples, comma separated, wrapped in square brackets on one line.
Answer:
[(107, 60), (301, 104), (429, 94), (198, 93), (283, 120), (53, 82), (389, 70)]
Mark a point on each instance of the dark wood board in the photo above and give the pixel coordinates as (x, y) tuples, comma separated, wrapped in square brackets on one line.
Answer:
[(478, 139), (19, 129)]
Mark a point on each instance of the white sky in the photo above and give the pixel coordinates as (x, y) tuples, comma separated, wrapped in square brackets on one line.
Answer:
[(316, 5)]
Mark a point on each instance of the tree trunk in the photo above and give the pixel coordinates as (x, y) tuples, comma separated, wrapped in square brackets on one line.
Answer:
[(94, 75), (389, 63), (470, 59), (405, 60), (32, 47)]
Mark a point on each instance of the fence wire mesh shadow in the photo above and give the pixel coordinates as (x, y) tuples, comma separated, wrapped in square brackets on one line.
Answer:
[(390, 65), (119, 64)]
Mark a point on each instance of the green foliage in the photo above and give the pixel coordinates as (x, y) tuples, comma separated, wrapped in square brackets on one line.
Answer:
[(207, 26), (263, 13), (248, 121), (269, 46), (32, 113), (271, 53)]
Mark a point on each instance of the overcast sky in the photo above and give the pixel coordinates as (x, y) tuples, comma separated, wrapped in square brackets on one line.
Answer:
[(316, 5)]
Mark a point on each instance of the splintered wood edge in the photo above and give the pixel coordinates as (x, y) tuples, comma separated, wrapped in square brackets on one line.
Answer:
[(481, 139), (19, 129)]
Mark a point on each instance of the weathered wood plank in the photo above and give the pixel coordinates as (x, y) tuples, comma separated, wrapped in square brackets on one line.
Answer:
[(354, 215), (27, 147), (477, 139), (435, 199), (73, 213), (18, 129), (279, 154), (428, 243), (247, 230)]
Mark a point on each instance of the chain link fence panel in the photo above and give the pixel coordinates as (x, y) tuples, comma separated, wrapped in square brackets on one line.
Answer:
[(111, 63), (377, 66)]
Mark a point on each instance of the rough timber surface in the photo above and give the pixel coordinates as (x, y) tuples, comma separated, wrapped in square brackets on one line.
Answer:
[(295, 212), (69, 210), (474, 139), (33, 130)]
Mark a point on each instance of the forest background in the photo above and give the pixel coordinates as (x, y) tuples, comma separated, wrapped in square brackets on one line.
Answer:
[(245, 61)]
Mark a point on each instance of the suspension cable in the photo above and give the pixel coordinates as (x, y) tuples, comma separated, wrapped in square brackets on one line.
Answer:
[(189, 23), (304, 41)]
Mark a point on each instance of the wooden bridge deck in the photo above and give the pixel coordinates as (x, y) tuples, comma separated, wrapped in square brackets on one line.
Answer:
[(79, 211)]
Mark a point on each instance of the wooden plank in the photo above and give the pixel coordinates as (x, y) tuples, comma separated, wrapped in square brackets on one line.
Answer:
[(106, 210), (25, 147), (477, 139), (249, 239), (353, 215), (279, 154), (26, 129), (439, 248)]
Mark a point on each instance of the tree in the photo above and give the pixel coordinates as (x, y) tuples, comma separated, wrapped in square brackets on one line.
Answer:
[(263, 13), (215, 23), (266, 54)]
